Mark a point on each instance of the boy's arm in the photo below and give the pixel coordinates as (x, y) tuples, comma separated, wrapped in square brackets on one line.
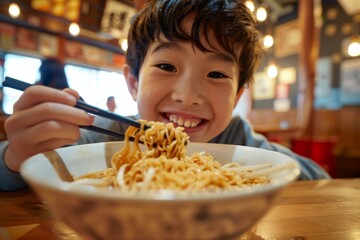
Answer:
[(13, 181), (310, 170), (9, 180), (240, 132)]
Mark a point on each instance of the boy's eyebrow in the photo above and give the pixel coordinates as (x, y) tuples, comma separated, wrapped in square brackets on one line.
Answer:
[(223, 57), (171, 45), (165, 45)]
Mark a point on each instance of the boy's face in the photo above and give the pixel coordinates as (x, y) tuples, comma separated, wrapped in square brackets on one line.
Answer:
[(179, 83)]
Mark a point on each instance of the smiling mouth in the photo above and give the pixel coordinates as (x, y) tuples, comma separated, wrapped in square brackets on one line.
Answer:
[(183, 121)]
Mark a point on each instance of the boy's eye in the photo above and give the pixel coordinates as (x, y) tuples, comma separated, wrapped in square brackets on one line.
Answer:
[(216, 75), (166, 67)]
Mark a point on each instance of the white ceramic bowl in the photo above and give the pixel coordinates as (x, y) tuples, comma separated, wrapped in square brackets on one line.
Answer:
[(104, 215)]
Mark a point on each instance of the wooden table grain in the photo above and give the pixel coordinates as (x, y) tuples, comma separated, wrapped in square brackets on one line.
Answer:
[(324, 209)]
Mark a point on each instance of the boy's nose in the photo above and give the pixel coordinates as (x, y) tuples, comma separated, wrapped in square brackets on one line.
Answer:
[(189, 92)]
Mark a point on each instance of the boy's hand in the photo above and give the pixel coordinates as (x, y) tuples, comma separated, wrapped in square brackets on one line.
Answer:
[(44, 119)]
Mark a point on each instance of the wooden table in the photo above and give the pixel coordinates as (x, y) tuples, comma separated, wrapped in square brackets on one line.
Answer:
[(326, 209)]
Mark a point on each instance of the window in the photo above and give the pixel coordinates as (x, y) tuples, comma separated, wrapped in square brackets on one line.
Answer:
[(95, 86), (20, 67)]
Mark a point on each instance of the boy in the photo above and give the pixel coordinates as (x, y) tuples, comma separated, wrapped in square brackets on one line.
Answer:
[(187, 63)]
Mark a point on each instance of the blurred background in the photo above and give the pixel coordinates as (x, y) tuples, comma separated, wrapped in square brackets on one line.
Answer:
[(306, 93)]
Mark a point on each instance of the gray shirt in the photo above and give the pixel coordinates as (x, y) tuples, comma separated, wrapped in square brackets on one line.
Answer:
[(238, 132)]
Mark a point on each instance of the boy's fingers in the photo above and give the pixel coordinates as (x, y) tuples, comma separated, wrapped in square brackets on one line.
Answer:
[(57, 135), (18, 157), (38, 94), (42, 137), (72, 92), (48, 112)]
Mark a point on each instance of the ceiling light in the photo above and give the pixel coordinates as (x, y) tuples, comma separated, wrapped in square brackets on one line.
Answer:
[(272, 70), (123, 44), (74, 29), (14, 10), (354, 47), (261, 14), (250, 5), (268, 41)]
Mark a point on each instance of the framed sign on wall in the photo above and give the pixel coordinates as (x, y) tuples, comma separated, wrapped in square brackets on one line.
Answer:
[(287, 39), (116, 18)]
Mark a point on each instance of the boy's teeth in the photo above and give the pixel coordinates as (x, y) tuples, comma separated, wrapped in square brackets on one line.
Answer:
[(184, 122)]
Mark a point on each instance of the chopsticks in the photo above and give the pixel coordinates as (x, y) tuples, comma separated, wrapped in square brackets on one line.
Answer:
[(22, 86)]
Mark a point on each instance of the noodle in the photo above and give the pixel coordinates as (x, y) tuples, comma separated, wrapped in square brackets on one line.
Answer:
[(164, 164)]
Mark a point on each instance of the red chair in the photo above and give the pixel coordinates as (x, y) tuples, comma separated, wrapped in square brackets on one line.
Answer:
[(319, 149)]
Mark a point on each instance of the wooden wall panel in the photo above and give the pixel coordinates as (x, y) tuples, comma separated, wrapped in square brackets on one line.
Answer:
[(349, 131), (325, 123), (342, 124), (262, 118)]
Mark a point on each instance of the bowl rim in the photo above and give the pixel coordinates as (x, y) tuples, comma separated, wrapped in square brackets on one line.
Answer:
[(168, 196)]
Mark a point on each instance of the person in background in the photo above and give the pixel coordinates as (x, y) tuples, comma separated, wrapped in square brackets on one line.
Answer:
[(111, 103), (52, 74), (182, 66)]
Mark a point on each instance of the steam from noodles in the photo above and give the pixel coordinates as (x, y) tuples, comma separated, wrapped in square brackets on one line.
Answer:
[(164, 164)]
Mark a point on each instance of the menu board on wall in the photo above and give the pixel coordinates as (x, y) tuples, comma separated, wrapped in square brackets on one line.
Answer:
[(325, 96), (7, 33), (26, 39), (350, 82), (48, 45), (263, 87), (116, 19), (80, 52), (61, 8), (287, 39), (34, 42)]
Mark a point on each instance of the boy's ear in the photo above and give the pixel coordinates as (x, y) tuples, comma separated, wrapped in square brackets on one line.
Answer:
[(132, 81), (238, 95)]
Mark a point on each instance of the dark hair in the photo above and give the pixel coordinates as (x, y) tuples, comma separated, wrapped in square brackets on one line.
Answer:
[(110, 98), (230, 21), (52, 74)]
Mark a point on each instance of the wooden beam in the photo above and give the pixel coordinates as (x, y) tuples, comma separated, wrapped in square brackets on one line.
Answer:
[(306, 67)]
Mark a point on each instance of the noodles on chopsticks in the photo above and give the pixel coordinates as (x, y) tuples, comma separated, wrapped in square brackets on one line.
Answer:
[(164, 164)]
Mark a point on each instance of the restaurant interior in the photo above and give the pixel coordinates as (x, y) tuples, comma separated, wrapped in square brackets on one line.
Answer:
[(306, 90)]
